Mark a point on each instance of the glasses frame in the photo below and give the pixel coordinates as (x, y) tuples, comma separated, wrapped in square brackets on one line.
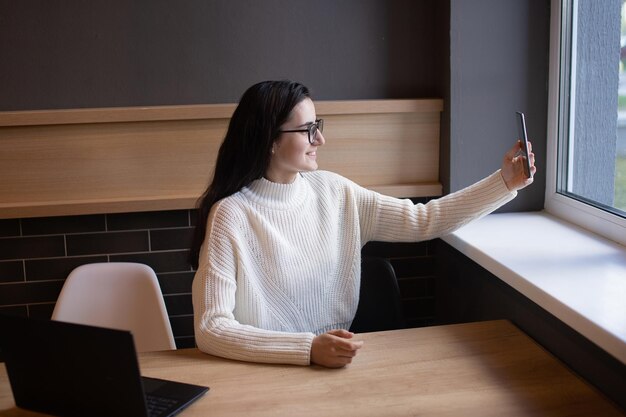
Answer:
[(311, 129)]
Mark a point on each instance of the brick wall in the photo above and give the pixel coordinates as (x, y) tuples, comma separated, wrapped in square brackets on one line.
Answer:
[(36, 255)]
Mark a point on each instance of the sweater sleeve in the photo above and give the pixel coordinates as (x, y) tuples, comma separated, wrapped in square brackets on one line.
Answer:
[(396, 220), (217, 331)]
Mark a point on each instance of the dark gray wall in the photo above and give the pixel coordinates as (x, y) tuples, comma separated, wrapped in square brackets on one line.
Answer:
[(486, 58), (101, 53), (498, 65)]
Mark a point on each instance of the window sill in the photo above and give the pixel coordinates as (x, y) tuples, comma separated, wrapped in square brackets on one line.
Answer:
[(577, 276)]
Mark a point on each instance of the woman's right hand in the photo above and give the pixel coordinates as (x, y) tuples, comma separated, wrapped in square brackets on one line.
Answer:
[(334, 349)]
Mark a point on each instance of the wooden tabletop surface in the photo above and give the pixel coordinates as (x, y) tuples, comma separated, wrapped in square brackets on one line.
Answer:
[(478, 369)]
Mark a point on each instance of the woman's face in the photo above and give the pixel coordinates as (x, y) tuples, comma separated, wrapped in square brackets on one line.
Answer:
[(292, 153)]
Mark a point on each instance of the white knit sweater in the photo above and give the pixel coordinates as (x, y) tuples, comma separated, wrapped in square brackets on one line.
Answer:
[(281, 262)]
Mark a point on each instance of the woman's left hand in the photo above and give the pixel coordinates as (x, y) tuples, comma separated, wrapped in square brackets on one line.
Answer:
[(513, 167)]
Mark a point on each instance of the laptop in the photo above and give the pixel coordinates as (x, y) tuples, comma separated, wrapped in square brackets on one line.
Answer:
[(68, 369)]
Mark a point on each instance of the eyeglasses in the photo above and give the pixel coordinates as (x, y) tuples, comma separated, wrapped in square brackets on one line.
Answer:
[(310, 129)]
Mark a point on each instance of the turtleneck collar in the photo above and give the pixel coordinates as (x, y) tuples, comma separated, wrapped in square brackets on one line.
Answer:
[(275, 195)]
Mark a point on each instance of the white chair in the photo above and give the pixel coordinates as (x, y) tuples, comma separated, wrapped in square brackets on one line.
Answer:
[(119, 295)]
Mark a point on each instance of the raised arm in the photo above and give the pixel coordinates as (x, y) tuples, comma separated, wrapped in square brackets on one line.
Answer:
[(391, 219)]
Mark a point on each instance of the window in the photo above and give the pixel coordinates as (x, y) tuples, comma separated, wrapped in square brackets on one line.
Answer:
[(586, 178)]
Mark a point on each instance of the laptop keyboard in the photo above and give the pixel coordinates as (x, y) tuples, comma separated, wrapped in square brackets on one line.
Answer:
[(157, 406)]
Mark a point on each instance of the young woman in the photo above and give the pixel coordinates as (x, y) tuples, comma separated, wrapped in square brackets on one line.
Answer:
[(278, 243)]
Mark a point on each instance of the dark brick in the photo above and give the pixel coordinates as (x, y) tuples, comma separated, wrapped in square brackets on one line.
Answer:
[(9, 227), (193, 217), (11, 271), (176, 283), (185, 342), (178, 304), (30, 292), (31, 247), (182, 325), (105, 243), (166, 239), (148, 220), (63, 225)]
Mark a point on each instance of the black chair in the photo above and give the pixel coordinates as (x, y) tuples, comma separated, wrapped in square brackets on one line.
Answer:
[(380, 307)]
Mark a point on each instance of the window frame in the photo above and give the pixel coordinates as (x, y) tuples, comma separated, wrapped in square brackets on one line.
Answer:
[(589, 217)]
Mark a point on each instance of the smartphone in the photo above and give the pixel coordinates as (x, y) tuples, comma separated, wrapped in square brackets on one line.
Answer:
[(521, 124)]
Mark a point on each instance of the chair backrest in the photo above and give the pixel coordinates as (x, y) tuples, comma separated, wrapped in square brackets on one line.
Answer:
[(120, 295), (380, 305)]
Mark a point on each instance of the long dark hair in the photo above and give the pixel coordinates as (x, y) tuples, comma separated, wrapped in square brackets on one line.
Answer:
[(246, 151)]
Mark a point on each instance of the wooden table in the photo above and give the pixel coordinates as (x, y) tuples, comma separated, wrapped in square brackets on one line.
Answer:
[(479, 369)]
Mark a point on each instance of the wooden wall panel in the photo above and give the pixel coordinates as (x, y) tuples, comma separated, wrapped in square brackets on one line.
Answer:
[(68, 162)]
